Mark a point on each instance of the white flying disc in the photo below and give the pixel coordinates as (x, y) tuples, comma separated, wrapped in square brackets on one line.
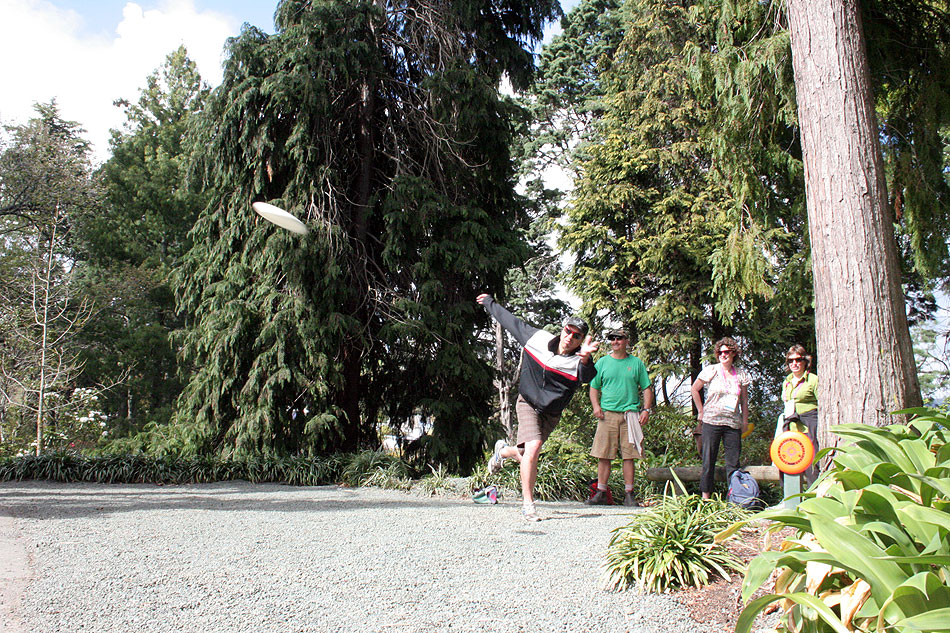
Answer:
[(280, 217)]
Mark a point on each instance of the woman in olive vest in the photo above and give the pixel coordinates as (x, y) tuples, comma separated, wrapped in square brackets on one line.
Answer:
[(800, 396)]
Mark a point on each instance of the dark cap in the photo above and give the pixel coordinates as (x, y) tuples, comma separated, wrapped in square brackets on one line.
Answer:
[(577, 322), (622, 333)]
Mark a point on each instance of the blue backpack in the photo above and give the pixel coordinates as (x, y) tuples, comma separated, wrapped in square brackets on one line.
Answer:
[(744, 490)]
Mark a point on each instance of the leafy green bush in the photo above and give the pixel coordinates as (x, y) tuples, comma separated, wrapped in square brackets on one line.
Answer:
[(391, 476), (669, 436), (441, 482), (566, 468), (374, 465), (557, 479), (671, 545), (872, 545), (564, 448)]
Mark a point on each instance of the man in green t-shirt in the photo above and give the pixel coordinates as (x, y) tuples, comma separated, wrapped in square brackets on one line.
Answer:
[(615, 394)]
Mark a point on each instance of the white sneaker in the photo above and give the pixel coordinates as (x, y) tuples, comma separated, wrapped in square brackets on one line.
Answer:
[(529, 513), (496, 462)]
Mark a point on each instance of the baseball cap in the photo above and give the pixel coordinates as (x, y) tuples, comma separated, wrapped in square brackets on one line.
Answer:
[(578, 323)]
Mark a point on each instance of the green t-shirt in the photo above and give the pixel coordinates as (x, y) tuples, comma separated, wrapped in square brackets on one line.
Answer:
[(620, 383)]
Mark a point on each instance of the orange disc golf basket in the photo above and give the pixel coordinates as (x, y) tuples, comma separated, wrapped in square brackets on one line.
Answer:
[(792, 452)]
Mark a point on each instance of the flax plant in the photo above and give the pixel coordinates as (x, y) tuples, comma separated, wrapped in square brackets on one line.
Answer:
[(871, 550), (671, 546)]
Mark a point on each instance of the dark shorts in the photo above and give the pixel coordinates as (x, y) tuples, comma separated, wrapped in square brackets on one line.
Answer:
[(533, 424)]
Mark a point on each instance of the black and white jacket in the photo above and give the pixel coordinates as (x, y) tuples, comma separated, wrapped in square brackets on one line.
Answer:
[(548, 379)]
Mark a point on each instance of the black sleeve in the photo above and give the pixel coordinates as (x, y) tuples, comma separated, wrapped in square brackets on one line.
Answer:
[(588, 371), (518, 328)]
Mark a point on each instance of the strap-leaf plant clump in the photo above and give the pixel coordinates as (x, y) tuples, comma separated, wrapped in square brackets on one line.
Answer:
[(871, 550)]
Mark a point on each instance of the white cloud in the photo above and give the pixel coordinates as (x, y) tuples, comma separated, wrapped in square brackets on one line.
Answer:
[(46, 54)]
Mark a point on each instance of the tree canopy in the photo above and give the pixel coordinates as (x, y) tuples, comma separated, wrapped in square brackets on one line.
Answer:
[(383, 129), (130, 247), (662, 241), (46, 192), (382, 125)]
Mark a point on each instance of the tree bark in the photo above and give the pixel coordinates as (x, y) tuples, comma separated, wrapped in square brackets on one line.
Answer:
[(42, 320), (502, 384), (867, 364), (357, 433)]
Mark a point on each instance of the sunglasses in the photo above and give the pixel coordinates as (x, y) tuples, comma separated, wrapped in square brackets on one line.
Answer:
[(572, 333), (796, 359), (725, 352), (614, 337)]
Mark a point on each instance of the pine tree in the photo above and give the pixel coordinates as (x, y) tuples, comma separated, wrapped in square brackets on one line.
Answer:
[(381, 125), (131, 246), (662, 244)]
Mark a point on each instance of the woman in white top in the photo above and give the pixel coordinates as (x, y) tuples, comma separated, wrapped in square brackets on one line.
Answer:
[(724, 413)]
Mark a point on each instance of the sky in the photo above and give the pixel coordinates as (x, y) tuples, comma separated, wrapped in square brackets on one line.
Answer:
[(88, 53)]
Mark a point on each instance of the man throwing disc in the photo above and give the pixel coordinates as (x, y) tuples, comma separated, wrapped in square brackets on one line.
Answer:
[(552, 368)]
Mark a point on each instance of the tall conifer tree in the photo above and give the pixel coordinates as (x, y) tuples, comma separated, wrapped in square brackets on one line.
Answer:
[(130, 247), (754, 136), (381, 125), (750, 77), (662, 243)]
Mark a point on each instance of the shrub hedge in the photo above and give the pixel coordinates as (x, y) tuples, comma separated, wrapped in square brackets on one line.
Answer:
[(137, 469)]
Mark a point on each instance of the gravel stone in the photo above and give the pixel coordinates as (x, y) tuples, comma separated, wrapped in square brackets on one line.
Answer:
[(235, 557)]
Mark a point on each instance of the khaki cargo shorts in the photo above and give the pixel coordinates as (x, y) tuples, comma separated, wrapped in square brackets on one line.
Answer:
[(611, 433)]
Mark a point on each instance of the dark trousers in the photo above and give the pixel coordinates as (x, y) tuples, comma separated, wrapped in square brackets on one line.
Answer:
[(732, 447), (810, 420)]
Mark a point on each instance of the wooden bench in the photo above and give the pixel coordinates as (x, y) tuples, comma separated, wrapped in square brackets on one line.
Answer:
[(692, 473)]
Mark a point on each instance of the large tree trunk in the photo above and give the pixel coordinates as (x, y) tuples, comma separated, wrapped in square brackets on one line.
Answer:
[(867, 364), (502, 383), (695, 362)]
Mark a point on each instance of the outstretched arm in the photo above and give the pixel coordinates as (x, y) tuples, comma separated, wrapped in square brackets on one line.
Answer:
[(518, 328)]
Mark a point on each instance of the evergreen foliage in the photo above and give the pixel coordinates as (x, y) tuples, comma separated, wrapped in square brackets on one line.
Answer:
[(663, 243), (559, 108), (566, 99), (68, 467), (381, 127), (753, 134), (152, 208), (130, 247)]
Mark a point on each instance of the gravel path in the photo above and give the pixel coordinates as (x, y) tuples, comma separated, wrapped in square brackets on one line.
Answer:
[(236, 557)]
